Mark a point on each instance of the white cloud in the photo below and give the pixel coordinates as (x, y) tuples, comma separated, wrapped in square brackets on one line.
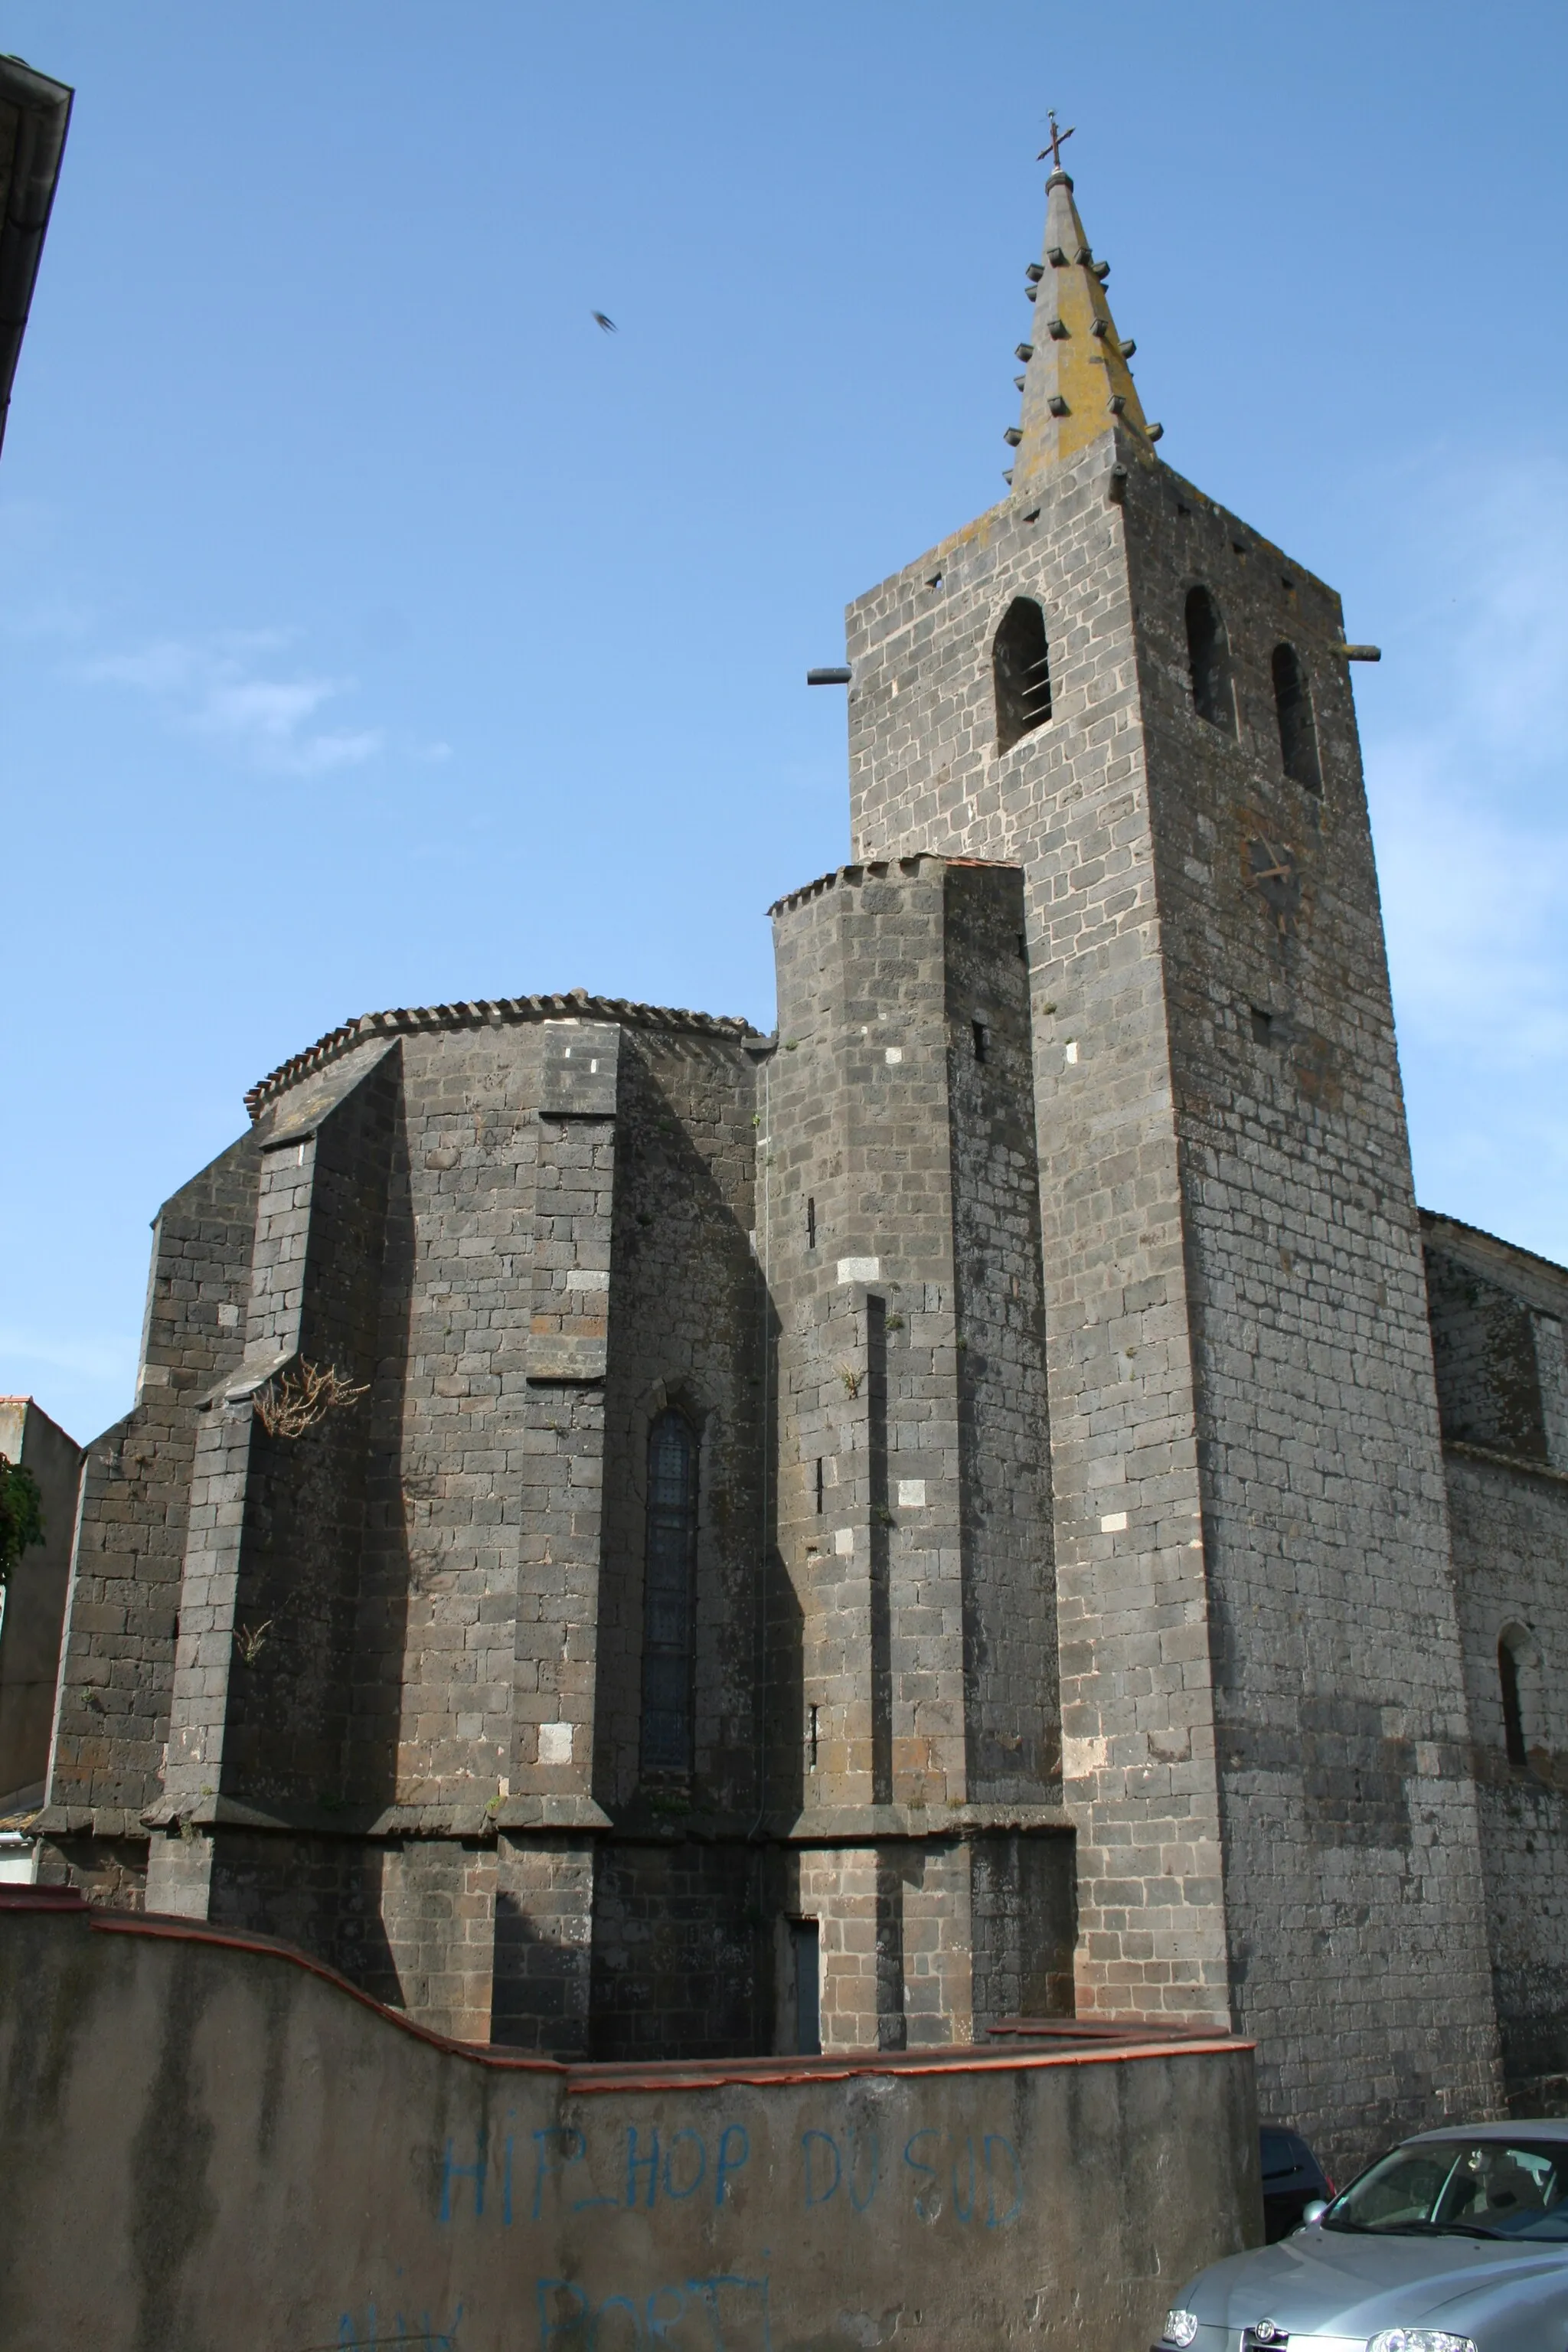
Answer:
[(236, 689)]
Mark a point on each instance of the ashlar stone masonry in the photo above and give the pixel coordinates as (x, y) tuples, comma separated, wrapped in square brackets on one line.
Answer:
[(637, 1537)]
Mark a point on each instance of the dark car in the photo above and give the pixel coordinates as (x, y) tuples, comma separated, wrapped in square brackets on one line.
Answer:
[(1292, 2178)]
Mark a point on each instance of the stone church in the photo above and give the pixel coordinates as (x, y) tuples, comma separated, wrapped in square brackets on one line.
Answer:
[(638, 1537)]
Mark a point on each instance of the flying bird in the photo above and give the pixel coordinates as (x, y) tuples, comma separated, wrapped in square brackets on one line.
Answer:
[(609, 325)]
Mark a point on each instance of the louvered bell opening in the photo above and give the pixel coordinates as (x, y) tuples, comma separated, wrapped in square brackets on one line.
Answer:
[(1022, 672)]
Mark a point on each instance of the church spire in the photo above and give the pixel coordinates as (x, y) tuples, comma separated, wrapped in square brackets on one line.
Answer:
[(1077, 382)]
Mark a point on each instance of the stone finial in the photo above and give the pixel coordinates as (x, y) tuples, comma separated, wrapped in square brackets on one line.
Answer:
[(1077, 383)]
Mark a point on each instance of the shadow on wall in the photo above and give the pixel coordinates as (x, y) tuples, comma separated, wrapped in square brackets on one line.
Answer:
[(687, 1892), (232, 2130), (325, 1581), (688, 1331)]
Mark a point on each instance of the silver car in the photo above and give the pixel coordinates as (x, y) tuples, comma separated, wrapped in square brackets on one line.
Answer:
[(1456, 2242)]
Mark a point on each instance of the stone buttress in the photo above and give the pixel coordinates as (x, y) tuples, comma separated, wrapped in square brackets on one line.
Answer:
[(898, 1230)]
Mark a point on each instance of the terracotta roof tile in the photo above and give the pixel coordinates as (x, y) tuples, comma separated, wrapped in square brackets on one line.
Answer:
[(495, 1012)]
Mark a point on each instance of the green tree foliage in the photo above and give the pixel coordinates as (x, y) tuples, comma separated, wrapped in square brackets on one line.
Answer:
[(21, 1515)]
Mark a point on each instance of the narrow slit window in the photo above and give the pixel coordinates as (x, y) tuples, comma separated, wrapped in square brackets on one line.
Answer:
[(668, 1610), (1297, 728), (982, 1040), (819, 1466), (810, 1223), (1514, 1733), (1021, 668), (1208, 654)]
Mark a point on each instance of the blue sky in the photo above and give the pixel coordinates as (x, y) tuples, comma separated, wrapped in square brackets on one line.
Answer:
[(376, 630)]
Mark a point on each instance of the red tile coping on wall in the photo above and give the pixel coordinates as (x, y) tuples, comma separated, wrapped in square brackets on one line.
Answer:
[(1023, 2041)]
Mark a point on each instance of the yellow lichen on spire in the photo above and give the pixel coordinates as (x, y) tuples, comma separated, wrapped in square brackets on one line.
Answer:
[(1077, 383)]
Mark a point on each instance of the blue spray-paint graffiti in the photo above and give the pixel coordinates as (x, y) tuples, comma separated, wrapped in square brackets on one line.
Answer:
[(631, 2167), (377, 2333), (997, 2170), (827, 2168), (723, 2314), (631, 2178)]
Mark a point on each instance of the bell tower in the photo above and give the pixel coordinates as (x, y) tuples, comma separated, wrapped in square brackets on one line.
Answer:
[(1115, 685)]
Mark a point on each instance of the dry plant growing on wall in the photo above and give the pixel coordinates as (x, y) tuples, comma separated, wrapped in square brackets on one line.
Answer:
[(295, 1402), (249, 1640)]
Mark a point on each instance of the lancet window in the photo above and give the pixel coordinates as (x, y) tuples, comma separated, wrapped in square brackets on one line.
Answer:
[(1518, 1675), (668, 1596), (1208, 655), (1021, 668), (1297, 728)]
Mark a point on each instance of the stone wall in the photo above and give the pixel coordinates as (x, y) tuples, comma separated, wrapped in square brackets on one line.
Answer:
[(1069, 804), (1251, 1538), (1044, 1312), (1012, 1724), (33, 1606), (1349, 1812), (1498, 1315), (688, 1331), (380, 1673), (117, 1666), (899, 1234)]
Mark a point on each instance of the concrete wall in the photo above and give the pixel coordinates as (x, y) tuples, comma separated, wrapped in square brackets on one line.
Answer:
[(247, 2150), (35, 1599)]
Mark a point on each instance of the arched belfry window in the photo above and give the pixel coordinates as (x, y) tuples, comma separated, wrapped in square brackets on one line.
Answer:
[(1518, 1676), (1297, 728), (1021, 666), (669, 1575), (1208, 653)]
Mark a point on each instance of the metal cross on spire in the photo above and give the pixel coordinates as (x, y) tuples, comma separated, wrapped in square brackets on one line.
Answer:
[(1054, 146)]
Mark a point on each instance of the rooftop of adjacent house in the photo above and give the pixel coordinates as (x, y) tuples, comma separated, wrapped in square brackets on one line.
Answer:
[(34, 115), (488, 1013), (1508, 1261)]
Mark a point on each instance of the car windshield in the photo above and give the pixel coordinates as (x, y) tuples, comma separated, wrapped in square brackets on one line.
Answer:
[(1470, 2189)]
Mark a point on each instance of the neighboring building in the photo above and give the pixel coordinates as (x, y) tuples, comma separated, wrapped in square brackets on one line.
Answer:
[(639, 1537), (33, 1602), (1499, 1316), (35, 114)]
